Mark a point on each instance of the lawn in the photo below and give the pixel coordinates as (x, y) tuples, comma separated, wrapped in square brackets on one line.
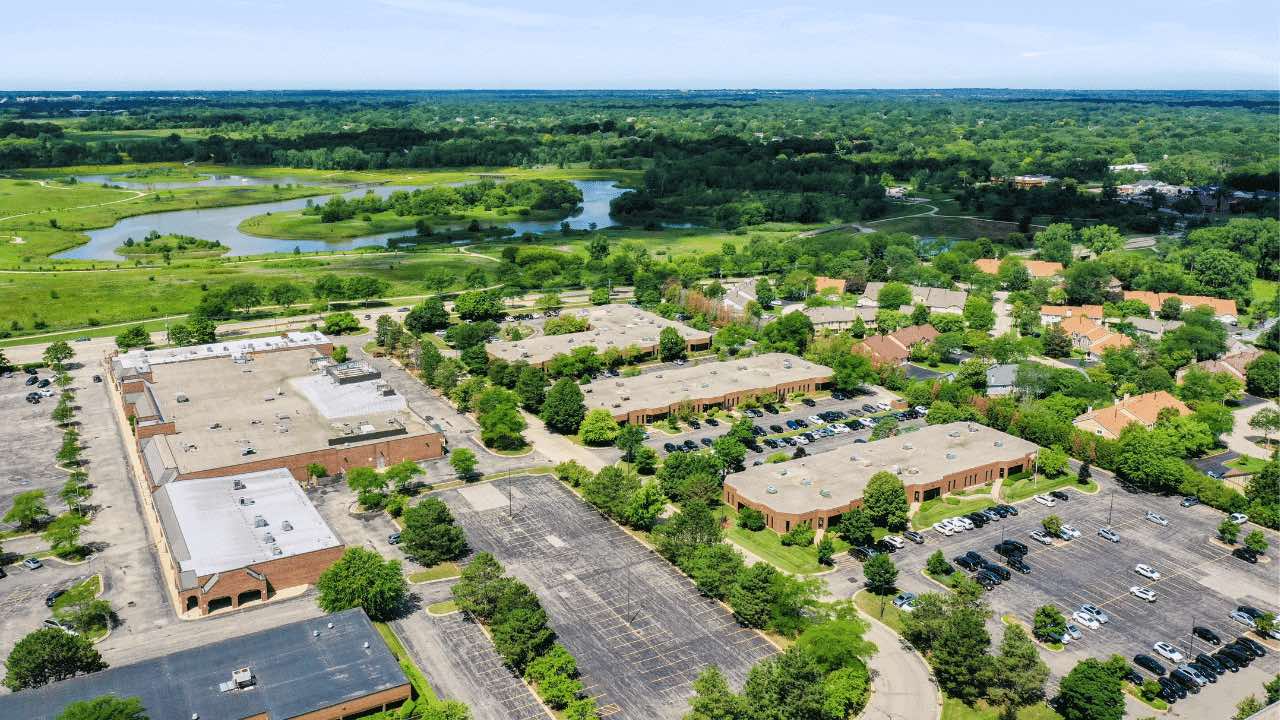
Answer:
[(767, 545), (1247, 464), (444, 607), (953, 709), (1024, 488), (881, 608), (78, 593), (944, 507), (933, 226), (296, 225), (439, 572)]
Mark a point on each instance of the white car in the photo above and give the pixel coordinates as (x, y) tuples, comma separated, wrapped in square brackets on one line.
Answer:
[(840, 429), (1168, 652), (802, 439), (1096, 612), (1157, 518), (883, 405), (895, 541), (1239, 518), (956, 525), (1041, 537), (1085, 619), (943, 528), (815, 420), (966, 522), (1046, 501), (1070, 530), (1147, 571), (1244, 620), (1143, 593)]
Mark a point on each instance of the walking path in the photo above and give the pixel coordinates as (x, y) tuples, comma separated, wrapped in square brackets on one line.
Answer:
[(137, 194), (902, 684)]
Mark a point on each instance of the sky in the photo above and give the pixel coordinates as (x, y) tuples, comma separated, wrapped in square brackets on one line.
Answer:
[(690, 44)]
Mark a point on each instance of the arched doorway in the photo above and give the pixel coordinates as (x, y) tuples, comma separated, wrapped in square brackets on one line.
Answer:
[(221, 603), (248, 596), (192, 603)]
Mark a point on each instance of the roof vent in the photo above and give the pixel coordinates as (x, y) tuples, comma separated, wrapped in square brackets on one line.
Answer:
[(951, 455), (908, 446), (276, 551), (259, 521), (772, 489), (824, 492), (246, 501), (286, 526), (182, 397), (268, 538), (315, 633), (237, 484), (366, 644), (806, 481), (954, 433), (999, 443), (329, 625)]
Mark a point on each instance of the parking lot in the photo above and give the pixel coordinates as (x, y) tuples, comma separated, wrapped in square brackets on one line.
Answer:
[(640, 631), (1201, 583), (29, 452), (795, 411)]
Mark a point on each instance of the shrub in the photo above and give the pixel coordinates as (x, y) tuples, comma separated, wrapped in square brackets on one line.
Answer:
[(801, 535), (750, 519)]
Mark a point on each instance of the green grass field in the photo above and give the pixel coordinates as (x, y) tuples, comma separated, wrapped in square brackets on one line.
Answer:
[(1024, 488), (880, 607), (298, 226), (1247, 464), (438, 572), (767, 545), (944, 507), (963, 228), (953, 709)]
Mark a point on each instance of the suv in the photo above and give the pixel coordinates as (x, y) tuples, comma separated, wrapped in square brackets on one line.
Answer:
[(1016, 562), (964, 562), (913, 536), (1041, 537), (1108, 534), (1059, 495), (1010, 549), (1148, 663), (863, 553), (1157, 518), (986, 580), (997, 570)]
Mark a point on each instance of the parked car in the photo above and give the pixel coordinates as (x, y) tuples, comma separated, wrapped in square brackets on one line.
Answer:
[(1017, 563), (1225, 661), (1065, 534), (904, 599), (776, 428), (1147, 571), (863, 553), (943, 528), (32, 563), (1233, 656), (52, 597), (1253, 645), (1170, 691), (1046, 500), (1041, 537), (964, 562), (1142, 593), (989, 576), (97, 378), (1108, 534), (1086, 620), (695, 424), (1168, 651), (1237, 518), (53, 623), (913, 536), (1148, 663), (716, 423), (895, 541), (1157, 518), (1217, 666), (808, 402), (43, 383), (669, 447), (1059, 495), (1244, 620), (1186, 681), (1199, 672), (998, 571), (966, 522), (1009, 509), (1071, 530), (33, 380), (706, 441), (1096, 612), (1189, 501), (1246, 554), (1074, 631), (1206, 635), (393, 538)]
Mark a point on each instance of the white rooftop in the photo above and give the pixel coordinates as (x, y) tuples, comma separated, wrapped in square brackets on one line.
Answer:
[(139, 359), (211, 530)]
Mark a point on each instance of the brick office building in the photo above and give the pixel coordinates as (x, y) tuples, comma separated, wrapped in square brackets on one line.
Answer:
[(232, 408), (614, 326), (335, 667), (650, 396), (241, 538), (932, 461)]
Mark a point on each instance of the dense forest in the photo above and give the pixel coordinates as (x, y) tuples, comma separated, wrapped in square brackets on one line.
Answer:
[(729, 158)]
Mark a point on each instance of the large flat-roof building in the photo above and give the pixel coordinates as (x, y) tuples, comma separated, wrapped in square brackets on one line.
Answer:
[(608, 326), (241, 538), (650, 396), (932, 461), (328, 668), (225, 408)]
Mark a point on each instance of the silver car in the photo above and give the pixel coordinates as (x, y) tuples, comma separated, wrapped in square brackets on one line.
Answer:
[(1108, 534)]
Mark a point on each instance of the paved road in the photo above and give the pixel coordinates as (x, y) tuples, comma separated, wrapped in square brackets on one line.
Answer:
[(902, 683), (1239, 439)]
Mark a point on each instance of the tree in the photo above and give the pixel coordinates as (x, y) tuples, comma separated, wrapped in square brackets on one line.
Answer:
[(713, 699), (1052, 525), (428, 316), (1262, 376), (1049, 623), (629, 439), (1052, 462), (361, 578), (979, 313), (729, 451), (644, 506), (477, 590), (694, 526), (1256, 541), (1246, 708), (893, 295), (885, 500), (1017, 674), (670, 345), (104, 707), (598, 427), (49, 655), (480, 305), (531, 388), (57, 353), (1091, 691), (28, 509), (960, 656), (563, 410), (855, 527), (340, 323), (937, 565), (714, 568), (1056, 342), (134, 337), (1101, 238), (1228, 531), (751, 597), (463, 462), (521, 635), (285, 293), (1086, 283), (826, 551), (881, 574), (430, 535), (750, 519), (1267, 421), (63, 534)]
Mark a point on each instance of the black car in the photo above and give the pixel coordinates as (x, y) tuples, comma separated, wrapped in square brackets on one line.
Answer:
[(885, 547), (976, 557), (1241, 649), (695, 424), (1013, 511), (670, 447), (1170, 691), (1132, 676), (1206, 635), (713, 422), (1059, 495), (1211, 663), (771, 409), (986, 580), (991, 577), (1251, 611), (1148, 663), (1209, 673), (1018, 564), (53, 597), (1246, 554), (998, 571), (963, 561), (1226, 661), (43, 383), (913, 536), (837, 395), (770, 443), (776, 428), (1253, 645), (30, 371), (1242, 658), (863, 553), (808, 402), (33, 380), (868, 407), (1000, 510), (1008, 549), (706, 441), (977, 519), (1185, 680), (691, 445)]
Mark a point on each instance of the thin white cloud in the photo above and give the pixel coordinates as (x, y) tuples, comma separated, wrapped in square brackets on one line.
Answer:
[(471, 11)]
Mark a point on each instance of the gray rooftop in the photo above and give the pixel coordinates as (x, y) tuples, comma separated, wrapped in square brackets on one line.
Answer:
[(608, 326), (694, 382), (225, 523), (830, 480), (141, 360), (294, 671), (930, 297), (1001, 375)]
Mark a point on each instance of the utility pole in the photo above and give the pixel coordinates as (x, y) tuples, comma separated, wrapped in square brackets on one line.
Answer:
[(1113, 506)]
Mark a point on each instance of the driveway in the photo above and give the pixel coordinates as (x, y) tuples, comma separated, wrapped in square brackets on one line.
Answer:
[(1241, 439)]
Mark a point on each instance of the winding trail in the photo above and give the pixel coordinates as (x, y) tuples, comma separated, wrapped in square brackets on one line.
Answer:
[(44, 184)]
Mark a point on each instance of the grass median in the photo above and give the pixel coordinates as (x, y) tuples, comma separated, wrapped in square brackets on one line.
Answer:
[(1023, 488), (947, 506)]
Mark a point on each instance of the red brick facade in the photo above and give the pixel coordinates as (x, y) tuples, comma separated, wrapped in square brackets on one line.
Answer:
[(729, 400), (236, 586)]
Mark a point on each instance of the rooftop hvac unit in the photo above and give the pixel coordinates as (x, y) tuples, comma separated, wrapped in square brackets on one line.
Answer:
[(286, 526), (806, 482), (268, 538), (216, 426), (243, 677), (786, 364), (276, 551), (998, 443), (973, 428), (951, 455), (246, 501), (954, 433), (248, 451), (259, 521), (772, 489), (913, 471), (824, 493), (237, 484), (908, 446), (182, 397)]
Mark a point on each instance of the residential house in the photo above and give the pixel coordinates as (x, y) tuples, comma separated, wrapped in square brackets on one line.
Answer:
[(1035, 268), (1153, 328), (895, 348), (838, 317), (1052, 314), (1000, 379), (1144, 409), (1234, 365), (1024, 182), (1224, 310), (738, 295), (936, 299), (1091, 337)]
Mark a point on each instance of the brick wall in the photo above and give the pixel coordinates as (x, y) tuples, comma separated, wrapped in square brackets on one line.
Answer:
[(391, 697), (729, 400), (279, 574), (392, 451)]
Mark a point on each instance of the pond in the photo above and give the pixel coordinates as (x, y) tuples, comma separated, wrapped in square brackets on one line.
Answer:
[(222, 224)]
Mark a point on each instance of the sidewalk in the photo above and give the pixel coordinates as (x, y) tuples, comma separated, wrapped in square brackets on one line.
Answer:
[(902, 683)]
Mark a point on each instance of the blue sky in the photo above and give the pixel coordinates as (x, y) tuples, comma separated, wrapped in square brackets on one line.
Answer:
[(255, 44)]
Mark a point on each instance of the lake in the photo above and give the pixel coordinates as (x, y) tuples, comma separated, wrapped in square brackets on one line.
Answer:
[(221, 224)]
